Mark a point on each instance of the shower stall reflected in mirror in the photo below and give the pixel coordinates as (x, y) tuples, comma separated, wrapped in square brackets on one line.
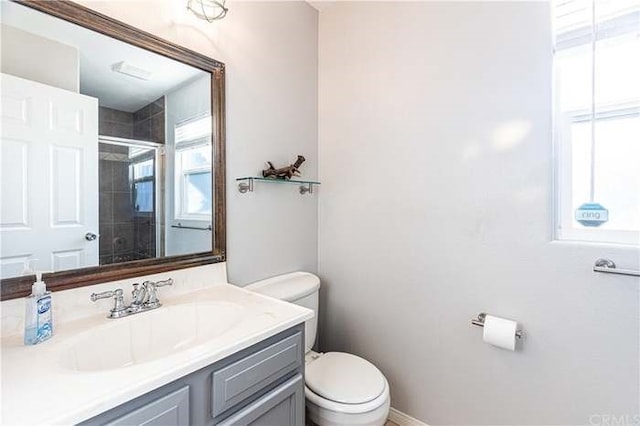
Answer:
[(130, 199)]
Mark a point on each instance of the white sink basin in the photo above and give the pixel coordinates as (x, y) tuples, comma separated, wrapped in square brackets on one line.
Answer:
[(150, 335)]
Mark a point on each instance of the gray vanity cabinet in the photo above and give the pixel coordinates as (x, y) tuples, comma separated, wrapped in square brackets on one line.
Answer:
[(262, 385)]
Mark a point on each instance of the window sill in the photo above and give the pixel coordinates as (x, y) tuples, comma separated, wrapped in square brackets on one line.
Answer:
[(595, 244)]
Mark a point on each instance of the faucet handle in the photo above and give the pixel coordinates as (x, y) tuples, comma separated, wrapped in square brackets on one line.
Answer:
[(106, 294), (119, 308), (152, 292)]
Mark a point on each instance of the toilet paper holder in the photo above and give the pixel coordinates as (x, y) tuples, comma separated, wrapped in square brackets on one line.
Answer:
[(480, 323)]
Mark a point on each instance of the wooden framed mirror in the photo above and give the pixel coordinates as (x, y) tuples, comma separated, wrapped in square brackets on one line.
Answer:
[(170, 164)]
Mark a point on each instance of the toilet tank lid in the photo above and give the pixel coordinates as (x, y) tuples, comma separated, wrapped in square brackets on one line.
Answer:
[(288, 287)]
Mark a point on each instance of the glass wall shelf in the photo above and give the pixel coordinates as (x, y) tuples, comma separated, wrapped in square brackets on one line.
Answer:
[(246, 184)]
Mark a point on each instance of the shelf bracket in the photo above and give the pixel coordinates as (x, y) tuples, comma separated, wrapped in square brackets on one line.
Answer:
[(244, 187), (308, 188)]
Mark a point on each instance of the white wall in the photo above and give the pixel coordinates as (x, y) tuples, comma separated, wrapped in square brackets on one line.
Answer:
[(188, 101), (48, 61), (435, 162), (270, 49)]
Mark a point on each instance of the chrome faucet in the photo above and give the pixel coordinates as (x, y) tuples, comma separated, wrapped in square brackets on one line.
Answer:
[(143, 298)]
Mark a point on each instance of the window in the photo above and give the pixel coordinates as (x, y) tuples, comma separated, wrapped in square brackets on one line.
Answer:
[(143, 185), (193, 193), (597, 119)]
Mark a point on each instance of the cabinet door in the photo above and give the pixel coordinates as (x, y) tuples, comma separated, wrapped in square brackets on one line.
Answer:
[(169, 410), (284, 406)]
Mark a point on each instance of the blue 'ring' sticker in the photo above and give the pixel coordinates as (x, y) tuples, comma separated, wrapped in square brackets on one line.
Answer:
[(591, 214)]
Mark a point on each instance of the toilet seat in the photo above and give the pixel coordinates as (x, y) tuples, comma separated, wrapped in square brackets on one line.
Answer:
[(345, 383), (337, 407)]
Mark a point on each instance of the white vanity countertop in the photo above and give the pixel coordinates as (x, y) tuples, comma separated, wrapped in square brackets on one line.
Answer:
[(37, 388)]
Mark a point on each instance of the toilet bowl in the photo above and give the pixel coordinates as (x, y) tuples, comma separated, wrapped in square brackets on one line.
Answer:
[(340, 389), (343, 389)]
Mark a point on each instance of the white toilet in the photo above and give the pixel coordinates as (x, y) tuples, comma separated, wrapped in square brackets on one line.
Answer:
[(340, 388)]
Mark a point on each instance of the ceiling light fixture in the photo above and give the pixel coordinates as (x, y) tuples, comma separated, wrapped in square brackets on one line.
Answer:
[(132, 71), (209, 10)]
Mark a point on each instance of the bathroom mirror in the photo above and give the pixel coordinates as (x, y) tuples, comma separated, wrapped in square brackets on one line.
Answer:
[(112, 150)]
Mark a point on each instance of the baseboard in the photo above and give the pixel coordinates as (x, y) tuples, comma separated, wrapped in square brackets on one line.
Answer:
[(402, 419)]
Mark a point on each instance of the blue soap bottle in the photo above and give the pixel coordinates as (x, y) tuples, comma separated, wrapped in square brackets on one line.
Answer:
[(38, 321)]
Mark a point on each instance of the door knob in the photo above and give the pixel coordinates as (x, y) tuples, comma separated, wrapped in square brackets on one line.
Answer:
[(90, 236)]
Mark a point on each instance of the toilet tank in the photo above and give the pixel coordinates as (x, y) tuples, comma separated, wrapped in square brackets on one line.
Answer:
[(300, 288)]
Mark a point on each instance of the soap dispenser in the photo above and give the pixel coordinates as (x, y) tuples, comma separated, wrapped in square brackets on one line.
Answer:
[(38, 321)]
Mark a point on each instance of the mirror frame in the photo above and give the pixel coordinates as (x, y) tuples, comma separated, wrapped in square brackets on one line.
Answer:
[(11, 288)]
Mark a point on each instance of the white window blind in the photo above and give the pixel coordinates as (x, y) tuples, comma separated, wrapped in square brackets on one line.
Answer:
[(597, 119), (195, 131)]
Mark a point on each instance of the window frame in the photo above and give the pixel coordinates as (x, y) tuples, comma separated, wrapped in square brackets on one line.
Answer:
[(565, 227), (180, 177)]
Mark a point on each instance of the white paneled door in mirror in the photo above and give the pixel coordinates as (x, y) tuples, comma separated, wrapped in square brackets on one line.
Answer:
[(49, 155)]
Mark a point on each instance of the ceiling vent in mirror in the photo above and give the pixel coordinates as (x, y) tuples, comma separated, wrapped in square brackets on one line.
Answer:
[(209, 10), (132, 71)]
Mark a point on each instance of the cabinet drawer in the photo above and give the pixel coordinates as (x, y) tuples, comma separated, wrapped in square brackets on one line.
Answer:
[(283, 406), (237, 381)]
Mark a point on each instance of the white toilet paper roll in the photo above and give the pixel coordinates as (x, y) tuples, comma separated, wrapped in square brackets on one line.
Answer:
[(500, 332)]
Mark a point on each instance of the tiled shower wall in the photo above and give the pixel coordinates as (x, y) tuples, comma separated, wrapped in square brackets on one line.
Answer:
[(148, 122), (112, 122), (145, 124), (115, 204), (125, 235)]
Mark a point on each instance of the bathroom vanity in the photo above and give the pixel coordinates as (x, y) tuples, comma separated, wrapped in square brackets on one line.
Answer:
[(261, 385), (213, 354)]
